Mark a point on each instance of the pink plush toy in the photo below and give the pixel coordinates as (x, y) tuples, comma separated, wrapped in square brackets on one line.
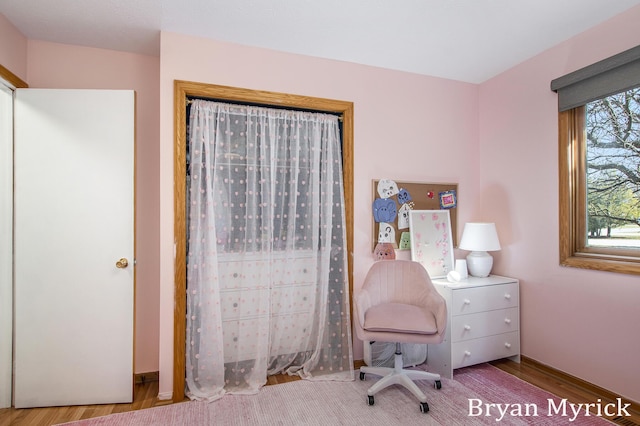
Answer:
[(384, 251)]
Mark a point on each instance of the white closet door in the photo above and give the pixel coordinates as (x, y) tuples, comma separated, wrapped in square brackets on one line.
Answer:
[(74, 220), (6, 244)]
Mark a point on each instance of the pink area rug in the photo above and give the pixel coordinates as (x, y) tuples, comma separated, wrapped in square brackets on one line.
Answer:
[(461, 401)]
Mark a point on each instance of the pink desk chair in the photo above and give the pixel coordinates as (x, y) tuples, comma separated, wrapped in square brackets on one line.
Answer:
[(399, 304)]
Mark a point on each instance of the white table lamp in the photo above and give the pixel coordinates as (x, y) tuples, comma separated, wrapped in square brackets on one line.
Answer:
[(479, 238)]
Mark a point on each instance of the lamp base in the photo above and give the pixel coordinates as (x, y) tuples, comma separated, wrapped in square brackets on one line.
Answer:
[(479, 263)]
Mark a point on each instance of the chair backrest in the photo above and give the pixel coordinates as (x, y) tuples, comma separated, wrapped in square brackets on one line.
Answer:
[(404, 282), (398, 281)]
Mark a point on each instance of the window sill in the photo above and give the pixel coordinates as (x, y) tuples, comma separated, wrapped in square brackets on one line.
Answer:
[(602, 263)]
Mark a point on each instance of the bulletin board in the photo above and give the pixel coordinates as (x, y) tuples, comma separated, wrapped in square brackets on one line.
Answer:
[(423, 196)]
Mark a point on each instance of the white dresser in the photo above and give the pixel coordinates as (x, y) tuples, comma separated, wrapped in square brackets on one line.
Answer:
[(257, 297), (483, 323)]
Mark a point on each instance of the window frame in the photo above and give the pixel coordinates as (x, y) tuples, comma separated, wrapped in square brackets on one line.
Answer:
[(612, 75), (574, 251)]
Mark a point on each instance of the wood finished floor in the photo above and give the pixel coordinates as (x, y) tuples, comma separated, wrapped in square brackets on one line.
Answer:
[(145, 396), (574, 390)]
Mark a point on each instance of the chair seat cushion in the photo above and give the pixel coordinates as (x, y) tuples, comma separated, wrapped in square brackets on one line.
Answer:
[(399, 318)]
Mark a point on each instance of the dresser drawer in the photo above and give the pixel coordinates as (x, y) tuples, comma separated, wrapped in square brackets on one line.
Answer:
[(242, 274), (241, 338), (479, 299), (244, 303), (470, 352), (279, 270), (294, 298), (290, 333), (481, 324), (296, 270)]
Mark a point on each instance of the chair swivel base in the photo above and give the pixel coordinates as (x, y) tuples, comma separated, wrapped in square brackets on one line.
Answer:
[(397, 375)]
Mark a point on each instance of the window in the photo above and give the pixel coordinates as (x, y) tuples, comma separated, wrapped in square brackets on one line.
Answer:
[(599, 164), (612, 133)]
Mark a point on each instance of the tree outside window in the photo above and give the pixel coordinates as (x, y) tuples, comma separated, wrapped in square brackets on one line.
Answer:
[(612, 133)]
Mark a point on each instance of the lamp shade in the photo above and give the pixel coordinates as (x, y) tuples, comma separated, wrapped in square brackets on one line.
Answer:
[(479, 237)]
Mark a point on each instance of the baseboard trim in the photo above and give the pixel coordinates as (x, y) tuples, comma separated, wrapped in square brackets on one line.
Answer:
[(165, 396), (595, 390), (140, 378)]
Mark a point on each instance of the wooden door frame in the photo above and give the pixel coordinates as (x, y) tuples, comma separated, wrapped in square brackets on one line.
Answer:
[(182, 91)]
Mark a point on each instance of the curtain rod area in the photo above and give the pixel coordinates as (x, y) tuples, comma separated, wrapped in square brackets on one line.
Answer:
[(190, 100)]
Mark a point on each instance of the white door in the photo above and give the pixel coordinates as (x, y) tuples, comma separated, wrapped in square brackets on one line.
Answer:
[(6, 244), (74, 221)]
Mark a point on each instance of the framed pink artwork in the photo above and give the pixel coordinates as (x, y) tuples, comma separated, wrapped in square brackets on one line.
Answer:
[(431, 241)]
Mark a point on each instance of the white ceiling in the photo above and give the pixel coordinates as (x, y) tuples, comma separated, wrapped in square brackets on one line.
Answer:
[(466, 40)]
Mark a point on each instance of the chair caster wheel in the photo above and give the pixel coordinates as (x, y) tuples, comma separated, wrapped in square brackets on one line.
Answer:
[(361, 375), (424, 407), (438, 384), (371, 402)]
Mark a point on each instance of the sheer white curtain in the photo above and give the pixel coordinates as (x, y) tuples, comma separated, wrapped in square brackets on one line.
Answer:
[(267, 288)]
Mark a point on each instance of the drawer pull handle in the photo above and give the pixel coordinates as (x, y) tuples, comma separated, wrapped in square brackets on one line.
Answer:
[(235, 275), (507, 345), (467, 301), (467, 327), (507, 296), (507, 320), (467, 353), (235, 305)]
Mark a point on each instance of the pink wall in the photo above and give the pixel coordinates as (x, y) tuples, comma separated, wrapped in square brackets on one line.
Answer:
[(13, 49), (428, 125), (53, 65), (498, 140), (582, 322)]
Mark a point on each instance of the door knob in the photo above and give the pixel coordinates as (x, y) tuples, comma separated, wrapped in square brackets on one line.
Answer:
[(122, 263)]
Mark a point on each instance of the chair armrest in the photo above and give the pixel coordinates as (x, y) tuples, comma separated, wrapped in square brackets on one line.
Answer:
[(362, 302), (441, 317), (435, 303)]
